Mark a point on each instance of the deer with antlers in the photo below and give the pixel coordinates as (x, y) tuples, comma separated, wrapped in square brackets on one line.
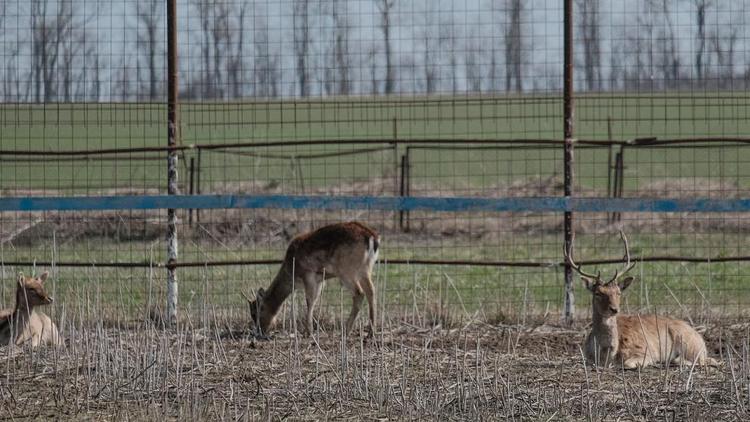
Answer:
[(634, 340), (344, 250)]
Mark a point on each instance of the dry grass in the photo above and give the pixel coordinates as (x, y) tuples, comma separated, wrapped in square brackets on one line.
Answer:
[(471, 372), (435, 365)]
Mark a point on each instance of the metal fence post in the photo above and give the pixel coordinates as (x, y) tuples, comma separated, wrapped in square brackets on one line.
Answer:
[(172, 188), (407, 183), (191, 187), (402, 190), (569, 305), (198, 173)]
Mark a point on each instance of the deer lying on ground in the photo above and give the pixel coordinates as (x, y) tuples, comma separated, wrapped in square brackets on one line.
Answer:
[(345, 250), (24, 323), (635, 340)]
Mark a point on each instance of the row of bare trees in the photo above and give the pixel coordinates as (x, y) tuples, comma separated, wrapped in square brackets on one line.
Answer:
[(57, 47), (647, 54), (233, 50)]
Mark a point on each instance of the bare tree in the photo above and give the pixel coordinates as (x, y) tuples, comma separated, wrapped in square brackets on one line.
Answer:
[(302, 41), (205, 80), (149, 14), (221, 42), (266, 67), (372, 61), (49, 34), (514, 11), (220, 35), (669, 60), (639, 51), (430, 53), (214, 20), (723, 42), (472, 64), (615, 66), (65, 71), (701, 6), (493, 77), (96, 91), (236, 59), (588, 29), (11, 83), (342, 30), (449, 43), (385, 8), (494, 67), (122, 83), (407, 71), (11, 89), (650, 55), (83, 73)]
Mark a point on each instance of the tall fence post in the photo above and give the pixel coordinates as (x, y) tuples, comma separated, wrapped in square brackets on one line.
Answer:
[(569, 305), (191, 187), (407, 186), (402, 190), (172, 188), (397, 182), (198, 173)]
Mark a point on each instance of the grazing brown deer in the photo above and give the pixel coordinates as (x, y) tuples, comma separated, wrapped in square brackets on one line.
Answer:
[(24, 323), (634, 340), (344, 250)]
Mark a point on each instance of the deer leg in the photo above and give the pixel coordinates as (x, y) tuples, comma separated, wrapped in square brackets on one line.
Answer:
[(313, 287), (369, 290), (637, 362), (356, 302)]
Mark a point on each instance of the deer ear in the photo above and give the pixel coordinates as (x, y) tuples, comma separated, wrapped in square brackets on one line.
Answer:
[(624, 283), (43, 276), (589, 283)]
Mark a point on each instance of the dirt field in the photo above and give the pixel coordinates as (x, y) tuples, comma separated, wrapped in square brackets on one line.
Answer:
[(479, 371)]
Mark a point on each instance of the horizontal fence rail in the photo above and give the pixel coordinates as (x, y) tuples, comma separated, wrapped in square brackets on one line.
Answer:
[(439, 204), (641, 142), (384, 260)]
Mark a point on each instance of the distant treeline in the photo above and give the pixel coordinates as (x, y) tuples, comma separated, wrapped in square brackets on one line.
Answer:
[(71, 50)]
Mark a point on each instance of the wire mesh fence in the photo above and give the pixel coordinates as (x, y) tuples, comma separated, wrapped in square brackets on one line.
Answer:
[(377, 99)]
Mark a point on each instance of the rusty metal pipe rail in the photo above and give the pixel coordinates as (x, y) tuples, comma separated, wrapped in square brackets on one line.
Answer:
[(409, 142), (528, 264)]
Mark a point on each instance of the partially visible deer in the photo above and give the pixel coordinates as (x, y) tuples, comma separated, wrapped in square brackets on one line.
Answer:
[(25, 323), (344, 250), (634, 340)]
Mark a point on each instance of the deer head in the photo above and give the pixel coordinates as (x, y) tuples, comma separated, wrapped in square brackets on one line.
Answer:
[(256, 310), (606, 295), (31, 290)]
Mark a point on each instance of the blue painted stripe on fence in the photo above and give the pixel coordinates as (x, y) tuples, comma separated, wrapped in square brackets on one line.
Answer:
[(539, 204)]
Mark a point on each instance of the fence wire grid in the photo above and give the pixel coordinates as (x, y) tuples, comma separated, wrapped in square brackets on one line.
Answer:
[(377, 98)]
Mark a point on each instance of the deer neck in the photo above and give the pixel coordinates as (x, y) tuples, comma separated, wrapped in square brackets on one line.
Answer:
[(280, 288), (23, 306), (604, 329), (16, 323)]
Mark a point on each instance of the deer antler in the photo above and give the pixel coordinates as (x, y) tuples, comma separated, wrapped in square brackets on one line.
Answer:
[(577, 267), (628, 265)]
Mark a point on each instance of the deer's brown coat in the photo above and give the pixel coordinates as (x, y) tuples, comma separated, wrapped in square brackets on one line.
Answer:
[(344, 250)]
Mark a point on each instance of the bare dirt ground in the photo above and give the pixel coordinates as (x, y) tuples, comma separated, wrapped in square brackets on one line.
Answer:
[(479, 371)]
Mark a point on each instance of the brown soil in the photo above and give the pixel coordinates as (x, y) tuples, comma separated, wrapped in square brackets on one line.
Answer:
[(475, 372)]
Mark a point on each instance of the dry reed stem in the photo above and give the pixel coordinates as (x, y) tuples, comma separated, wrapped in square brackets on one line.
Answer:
[(477, 371)]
